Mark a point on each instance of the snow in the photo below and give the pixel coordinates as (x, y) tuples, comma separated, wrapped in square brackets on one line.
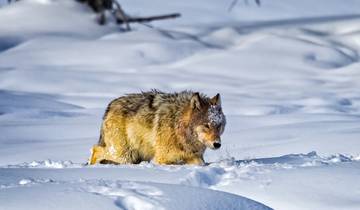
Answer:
[(216, 116), (287, 73)]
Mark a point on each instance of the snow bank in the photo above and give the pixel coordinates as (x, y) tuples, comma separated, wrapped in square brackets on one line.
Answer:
[(95, 194)]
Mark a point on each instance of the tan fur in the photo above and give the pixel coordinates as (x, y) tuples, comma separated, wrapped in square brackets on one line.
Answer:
[(168, 128)]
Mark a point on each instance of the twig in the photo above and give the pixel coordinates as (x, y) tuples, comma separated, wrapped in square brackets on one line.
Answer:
[(234, 3), (151, 18), (120, 16), (113, 6)]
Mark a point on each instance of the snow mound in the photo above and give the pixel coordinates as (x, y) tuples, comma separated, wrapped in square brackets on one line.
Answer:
[(134, 195), (48, 17), (230, 170), (91, 194), (47, 164), (165, 187)]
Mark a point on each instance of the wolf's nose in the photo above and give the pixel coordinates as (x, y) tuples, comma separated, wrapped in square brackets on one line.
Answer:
[(217, 145)]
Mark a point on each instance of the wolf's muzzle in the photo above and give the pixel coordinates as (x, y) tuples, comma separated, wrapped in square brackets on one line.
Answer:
[(217, 145)]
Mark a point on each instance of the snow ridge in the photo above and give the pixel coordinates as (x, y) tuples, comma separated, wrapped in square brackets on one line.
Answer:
[(226, 171)]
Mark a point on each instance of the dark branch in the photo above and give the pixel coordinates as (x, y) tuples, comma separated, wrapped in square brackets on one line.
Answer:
[(151, 18)]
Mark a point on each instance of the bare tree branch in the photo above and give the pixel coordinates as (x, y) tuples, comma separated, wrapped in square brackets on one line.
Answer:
[(232, 5), (235, 2), (120, 16), (113, 6), (151, 18)]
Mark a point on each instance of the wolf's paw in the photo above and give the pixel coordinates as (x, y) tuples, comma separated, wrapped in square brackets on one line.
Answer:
[(196, 161)]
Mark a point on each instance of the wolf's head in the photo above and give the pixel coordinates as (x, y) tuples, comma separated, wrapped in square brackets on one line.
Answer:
[(208, 120)]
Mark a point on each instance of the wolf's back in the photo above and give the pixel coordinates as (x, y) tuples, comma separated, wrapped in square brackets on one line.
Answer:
[(146, 105)]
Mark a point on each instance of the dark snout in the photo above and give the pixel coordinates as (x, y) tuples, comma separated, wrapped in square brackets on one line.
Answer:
[(217, 145)]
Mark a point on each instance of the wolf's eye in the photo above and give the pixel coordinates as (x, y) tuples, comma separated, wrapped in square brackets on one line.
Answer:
[(207, 125)]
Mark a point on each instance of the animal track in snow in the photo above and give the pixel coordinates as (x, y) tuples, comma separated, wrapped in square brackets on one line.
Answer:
[(227, 171), (128, 195)]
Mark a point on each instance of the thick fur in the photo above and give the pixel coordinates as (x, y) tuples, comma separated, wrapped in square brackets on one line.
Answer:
[(168, 128)]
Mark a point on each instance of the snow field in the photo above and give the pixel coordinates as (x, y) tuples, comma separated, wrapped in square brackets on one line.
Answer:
[(287, 73)]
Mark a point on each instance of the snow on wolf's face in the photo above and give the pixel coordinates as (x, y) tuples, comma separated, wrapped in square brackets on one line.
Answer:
[(210, 123)]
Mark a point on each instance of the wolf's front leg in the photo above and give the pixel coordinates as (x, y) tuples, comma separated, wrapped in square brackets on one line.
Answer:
[(195, 161)]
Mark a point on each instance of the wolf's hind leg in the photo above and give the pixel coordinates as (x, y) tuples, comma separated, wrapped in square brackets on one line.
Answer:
[(97, 154), (117, 147), (121, 155)]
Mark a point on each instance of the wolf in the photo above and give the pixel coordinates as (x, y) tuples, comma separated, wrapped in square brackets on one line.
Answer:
[(166, 128)]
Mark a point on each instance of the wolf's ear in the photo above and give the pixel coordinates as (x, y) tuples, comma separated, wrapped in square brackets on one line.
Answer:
[(216, 100), (195, 101)]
